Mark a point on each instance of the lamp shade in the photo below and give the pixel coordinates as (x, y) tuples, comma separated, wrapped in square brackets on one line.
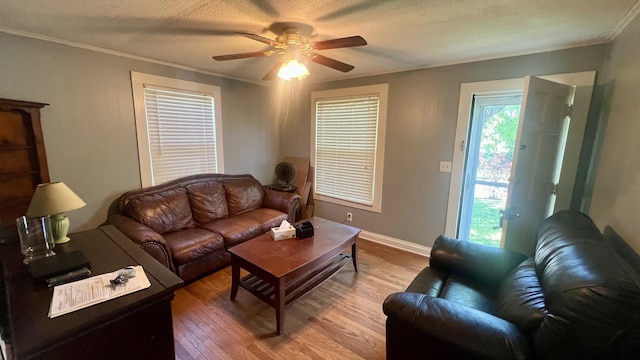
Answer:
[(53, 198)]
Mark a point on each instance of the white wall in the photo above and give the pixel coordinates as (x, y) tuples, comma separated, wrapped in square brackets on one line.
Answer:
[(616, 195), (89, 126)]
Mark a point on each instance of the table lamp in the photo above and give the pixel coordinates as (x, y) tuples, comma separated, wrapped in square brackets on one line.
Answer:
[(54, 199)]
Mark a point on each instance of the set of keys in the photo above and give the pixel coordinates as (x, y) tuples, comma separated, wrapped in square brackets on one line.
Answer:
[(123, 277)]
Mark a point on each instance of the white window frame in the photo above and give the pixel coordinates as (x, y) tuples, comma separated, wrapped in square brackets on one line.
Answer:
[(382, 91), (138, 81)]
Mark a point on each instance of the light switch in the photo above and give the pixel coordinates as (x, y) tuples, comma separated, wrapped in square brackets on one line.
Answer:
[(445, 166)]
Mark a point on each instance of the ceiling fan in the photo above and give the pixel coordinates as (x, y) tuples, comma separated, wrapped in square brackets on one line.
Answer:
[(295, 46)]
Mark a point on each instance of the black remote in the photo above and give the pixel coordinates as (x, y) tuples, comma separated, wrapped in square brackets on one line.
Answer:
[(68, 277)]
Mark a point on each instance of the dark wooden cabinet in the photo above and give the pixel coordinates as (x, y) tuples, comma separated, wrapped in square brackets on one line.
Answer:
[(23, 161), (134, 326)]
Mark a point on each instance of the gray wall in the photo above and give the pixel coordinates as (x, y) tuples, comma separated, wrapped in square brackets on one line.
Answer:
[(421, 122), (616, 195), (89, 126)]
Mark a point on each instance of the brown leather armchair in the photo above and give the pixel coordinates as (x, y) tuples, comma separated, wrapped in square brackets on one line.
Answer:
[(189, 223)]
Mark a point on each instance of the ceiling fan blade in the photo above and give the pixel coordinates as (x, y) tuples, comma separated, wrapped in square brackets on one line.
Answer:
[(243, 55), (274, 70), (339, 43), (334, 64), (259, 38)]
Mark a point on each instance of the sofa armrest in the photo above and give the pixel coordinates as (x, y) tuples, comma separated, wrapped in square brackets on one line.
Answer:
[(288, 203), (421, 326), (480, 262), (149, 240)]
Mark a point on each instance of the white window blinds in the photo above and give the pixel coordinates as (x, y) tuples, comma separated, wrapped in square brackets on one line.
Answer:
[(181, 133), (346, 142)]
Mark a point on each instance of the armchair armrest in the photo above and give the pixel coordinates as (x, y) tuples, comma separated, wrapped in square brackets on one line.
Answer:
[(288, 203), (483, 263), (420, 326), (145, 237)]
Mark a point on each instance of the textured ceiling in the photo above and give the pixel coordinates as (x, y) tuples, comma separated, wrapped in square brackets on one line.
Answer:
[(401, 34)]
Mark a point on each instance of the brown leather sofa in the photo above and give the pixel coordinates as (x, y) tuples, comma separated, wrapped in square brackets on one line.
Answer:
[(578, 297), (189, 223)]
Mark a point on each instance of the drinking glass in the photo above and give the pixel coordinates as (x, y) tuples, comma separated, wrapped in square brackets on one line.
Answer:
[(36, 240)]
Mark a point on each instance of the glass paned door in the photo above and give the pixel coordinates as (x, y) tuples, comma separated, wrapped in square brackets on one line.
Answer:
[(490, 149)]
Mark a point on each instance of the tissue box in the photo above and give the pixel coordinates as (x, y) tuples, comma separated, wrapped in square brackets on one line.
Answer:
[(278, 234)]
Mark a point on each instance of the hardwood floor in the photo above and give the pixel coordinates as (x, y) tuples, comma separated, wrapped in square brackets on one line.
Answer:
[(340, 319)]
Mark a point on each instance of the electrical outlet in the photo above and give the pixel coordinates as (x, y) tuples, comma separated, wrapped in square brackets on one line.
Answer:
[(349, 216), (445, 166)]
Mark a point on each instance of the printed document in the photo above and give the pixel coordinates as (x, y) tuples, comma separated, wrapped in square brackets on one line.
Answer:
[(96, 289)]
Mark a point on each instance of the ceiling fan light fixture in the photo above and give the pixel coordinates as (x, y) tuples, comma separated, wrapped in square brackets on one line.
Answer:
[(293, 45), (293, 69)]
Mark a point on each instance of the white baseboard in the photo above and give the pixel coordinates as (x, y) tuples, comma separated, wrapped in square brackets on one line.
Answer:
[(396, 243)]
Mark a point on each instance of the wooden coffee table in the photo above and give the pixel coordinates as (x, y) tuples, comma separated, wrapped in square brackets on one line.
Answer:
[(282, 271)]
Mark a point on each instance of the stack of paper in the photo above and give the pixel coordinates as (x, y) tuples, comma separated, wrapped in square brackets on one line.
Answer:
[(94, 290)]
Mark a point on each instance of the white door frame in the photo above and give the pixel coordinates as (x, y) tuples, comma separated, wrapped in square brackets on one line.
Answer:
[(583, 81)]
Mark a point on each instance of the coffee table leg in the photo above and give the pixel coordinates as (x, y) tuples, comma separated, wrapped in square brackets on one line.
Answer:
[(354, 255), (235, 279), (279, 305)]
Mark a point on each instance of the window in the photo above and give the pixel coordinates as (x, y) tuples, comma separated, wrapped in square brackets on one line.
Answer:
[(348, 145), (178, 126)]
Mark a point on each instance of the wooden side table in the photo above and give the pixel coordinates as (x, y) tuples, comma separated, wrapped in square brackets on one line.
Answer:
[(134, 326)]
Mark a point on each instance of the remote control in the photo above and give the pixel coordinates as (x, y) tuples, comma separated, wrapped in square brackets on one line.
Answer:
[(69, 277)]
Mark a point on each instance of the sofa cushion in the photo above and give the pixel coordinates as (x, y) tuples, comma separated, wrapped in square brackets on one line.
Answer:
[(469, 260), (235, 229), (565, 228), (267, 218), (191, 244), (429, 281), (468, 292), (163, 212), (203, 265), (208, 201), (520, 299), (243, 195)]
